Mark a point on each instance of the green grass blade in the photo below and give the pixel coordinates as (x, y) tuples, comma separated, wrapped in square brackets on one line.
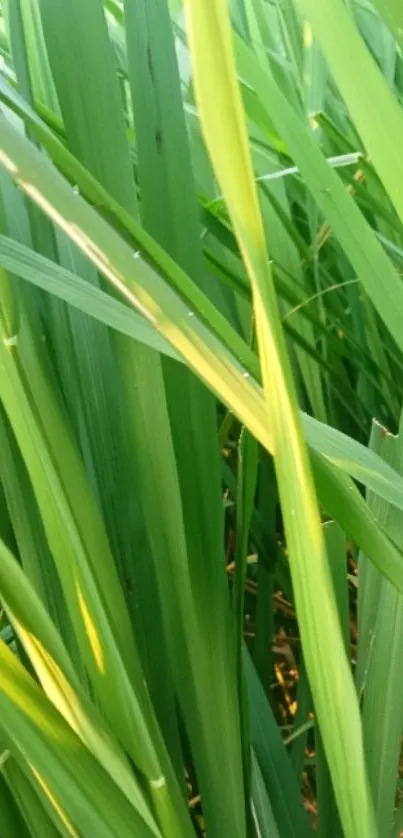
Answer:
[(116, 168), (262, 813), (363, 89), (369, 580), (12, 823), (169, 213), (279, 778), (382, 699), (39, 815), (328, 817), (33, 549), (392, 13)]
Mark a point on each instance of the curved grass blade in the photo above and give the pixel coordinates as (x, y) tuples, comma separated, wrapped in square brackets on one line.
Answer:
[(78, 292), (54, 669), (206, 356), (42, 741)]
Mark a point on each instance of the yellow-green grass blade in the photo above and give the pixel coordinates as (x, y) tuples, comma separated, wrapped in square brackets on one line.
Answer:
[(225, 133), (97, 195), (39, 815), (126, 224), (78, 292), (284, 252), (84, 796), (55, 672)]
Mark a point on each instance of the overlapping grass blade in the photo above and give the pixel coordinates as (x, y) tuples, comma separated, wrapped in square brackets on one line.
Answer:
[(68, 773), (78, 292), (344, 451), (192, 339), (40, 817), (223, 125)]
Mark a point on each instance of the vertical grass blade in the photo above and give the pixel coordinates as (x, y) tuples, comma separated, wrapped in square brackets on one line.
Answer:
[(224, 129), (383, 645)]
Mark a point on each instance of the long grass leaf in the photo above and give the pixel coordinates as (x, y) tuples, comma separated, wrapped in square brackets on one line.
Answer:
[(224, 129)]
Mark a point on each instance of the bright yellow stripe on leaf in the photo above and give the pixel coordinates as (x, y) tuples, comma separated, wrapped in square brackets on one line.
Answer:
[(308, 37), (56, 805), (92, 633), (219, 104)]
